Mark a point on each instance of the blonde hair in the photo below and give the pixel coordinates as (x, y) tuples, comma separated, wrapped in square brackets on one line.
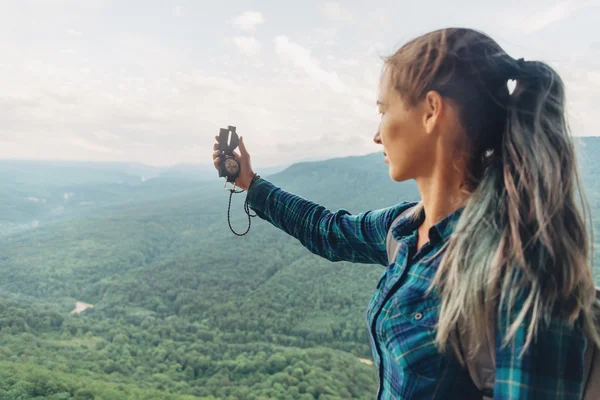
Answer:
[(521, 236)]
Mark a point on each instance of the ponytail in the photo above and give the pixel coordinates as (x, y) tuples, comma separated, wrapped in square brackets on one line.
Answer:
[(521, 246)]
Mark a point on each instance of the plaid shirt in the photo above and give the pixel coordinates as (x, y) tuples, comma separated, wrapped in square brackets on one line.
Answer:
[(402, 318)]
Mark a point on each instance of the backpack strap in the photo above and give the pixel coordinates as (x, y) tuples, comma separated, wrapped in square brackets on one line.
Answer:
[(482, 367), (482, 364), (591, 357)]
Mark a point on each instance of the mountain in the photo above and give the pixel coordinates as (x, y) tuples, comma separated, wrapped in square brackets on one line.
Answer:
[(183, 308), (35, 192)]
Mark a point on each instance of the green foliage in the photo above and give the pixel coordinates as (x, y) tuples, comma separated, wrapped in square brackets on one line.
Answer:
[(182, 307)]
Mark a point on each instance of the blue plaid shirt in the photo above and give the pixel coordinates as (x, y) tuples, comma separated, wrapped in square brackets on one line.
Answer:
[(402, 318)]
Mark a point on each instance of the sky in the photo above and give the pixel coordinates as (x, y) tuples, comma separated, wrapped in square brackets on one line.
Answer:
[(153, 81)]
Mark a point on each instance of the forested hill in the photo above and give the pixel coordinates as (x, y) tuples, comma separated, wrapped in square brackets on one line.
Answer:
[(183, 308), (38, 191)]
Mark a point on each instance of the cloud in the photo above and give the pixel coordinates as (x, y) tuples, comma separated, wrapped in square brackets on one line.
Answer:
[(336, 12), (178, 11), (74, 32), (106, 135), (247, 45), (594, 77), (93, 147), (301, 58), (248, 20), (331, 139), (209, 82), (535, 16), (551, 15)]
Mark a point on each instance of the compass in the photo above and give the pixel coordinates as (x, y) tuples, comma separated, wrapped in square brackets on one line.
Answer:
[(232, 166), (229, 167)]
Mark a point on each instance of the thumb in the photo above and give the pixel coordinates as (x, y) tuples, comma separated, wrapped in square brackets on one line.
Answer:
[(242, 147)]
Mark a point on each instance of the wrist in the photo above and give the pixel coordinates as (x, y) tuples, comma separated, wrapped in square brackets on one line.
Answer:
[(255, 177)]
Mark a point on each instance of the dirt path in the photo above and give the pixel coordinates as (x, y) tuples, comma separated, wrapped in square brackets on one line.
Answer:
[(80, 307), (365, 361)]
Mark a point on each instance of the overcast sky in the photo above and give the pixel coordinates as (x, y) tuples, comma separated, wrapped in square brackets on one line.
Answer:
[(153, 81)]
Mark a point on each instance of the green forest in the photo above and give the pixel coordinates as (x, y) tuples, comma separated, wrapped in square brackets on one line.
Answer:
[(178, 306)]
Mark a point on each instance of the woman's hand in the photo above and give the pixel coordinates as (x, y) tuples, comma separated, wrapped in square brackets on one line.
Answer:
[(246, 172)]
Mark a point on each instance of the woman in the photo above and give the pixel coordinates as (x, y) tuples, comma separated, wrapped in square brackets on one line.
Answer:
[(497, 233)]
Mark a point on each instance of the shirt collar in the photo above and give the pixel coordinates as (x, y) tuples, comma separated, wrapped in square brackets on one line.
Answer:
[(408, 224)]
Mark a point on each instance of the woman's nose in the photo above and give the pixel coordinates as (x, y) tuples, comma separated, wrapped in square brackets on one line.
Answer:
[(377, 137)]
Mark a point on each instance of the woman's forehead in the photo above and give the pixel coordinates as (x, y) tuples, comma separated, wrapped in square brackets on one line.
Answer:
[(385, 84)]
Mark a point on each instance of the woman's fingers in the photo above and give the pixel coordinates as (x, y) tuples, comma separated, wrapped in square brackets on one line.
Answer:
[(237, 155), (242, 147)]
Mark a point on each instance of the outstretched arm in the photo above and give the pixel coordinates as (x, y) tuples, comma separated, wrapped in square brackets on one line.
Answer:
[(336, 236)]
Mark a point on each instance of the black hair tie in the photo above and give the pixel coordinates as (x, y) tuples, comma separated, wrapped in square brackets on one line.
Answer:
[(518, 70), (521, 62)]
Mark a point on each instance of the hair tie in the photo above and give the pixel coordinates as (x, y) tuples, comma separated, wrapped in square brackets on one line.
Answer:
[(518, 70)]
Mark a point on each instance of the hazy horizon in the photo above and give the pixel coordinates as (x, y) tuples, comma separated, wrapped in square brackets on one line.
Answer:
[(204, 164)]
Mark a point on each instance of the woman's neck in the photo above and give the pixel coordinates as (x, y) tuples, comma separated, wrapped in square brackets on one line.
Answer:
[(441, 195)]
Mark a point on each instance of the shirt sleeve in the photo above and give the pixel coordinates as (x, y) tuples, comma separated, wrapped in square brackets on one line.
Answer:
[(336, 236), (551, 368)]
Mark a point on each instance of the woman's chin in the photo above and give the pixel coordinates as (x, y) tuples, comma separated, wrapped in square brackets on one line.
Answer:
[(397, 176)]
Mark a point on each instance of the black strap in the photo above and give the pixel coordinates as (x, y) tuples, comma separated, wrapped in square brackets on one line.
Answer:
[(587, 381), (246, 210), (485, 392)]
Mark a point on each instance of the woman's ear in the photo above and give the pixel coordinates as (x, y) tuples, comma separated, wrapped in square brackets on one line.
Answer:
[(432, 111)]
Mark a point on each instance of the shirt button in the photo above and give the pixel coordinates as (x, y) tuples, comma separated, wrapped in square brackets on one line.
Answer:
[(418, 316)]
